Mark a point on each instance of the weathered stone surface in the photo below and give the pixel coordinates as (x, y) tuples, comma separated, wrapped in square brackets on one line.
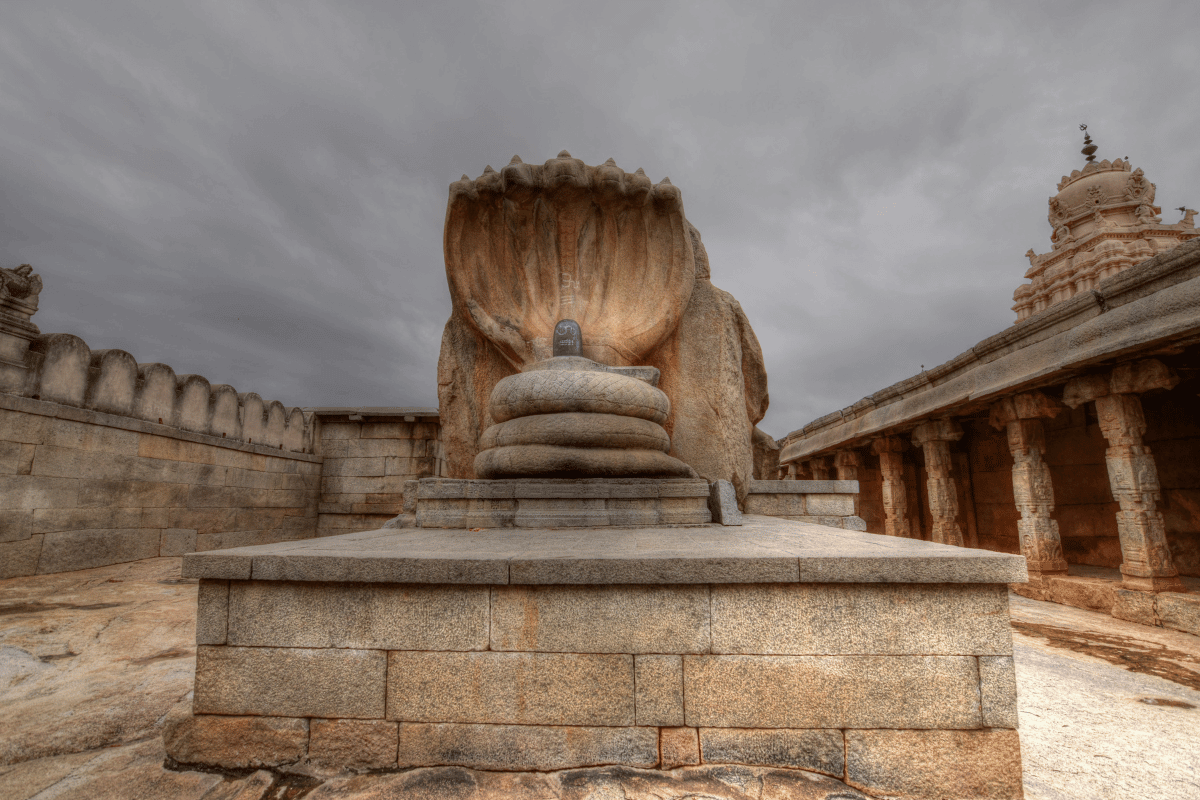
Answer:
[(831, 691), (212, 612), (234, 742), (600, 619), (177, 541), (687, 329), (20, 557), (722, 503), (70, 550), (290, 682), (113, 773), (93, 658), (336, 745), (525, 747), (678, 747), (861, 619), (1081, 592), (508, 462), (578, 430), (510, 688), (658, 682), (1134, 606), (935, 764), (365, 617), (590, 391), (998, 691), (714, 373), (766, 550), (817, 750), (1178, 611)]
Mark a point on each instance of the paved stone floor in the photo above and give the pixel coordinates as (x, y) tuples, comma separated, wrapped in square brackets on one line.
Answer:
[(91, 662)]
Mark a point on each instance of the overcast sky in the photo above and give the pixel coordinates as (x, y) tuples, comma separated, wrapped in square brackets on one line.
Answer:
[(255, 192)]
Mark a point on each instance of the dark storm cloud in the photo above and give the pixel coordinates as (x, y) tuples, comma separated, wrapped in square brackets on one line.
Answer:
[(256, 192)]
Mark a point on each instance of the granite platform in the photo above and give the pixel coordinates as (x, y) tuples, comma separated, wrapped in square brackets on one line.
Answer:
[(776, 643)]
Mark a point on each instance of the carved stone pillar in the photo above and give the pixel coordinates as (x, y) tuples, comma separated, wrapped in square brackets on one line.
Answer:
[(791, 471), (847, 463), (935, 438), (896, 521), (1132, 474), (1022, 417), (820, 468)]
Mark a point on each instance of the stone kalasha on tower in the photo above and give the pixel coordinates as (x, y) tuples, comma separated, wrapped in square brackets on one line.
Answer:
[(1103, 221)]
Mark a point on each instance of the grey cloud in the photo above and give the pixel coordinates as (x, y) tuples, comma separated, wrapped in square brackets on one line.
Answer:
[(256, 192)]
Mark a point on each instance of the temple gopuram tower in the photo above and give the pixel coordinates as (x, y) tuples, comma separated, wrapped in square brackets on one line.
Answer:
[(1103, 221)]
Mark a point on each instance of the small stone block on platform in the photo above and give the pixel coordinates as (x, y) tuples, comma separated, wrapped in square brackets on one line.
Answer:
[(722, 502)]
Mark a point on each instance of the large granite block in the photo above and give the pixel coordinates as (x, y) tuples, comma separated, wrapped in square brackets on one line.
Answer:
[(600, 619), (510, 688), (21, 557), (678, 747), (335, 745), (829, 505), (831, 692), (998, 691), (1178, 611), (984, 764), (776, 505), (234, 742), (816, 750), (17, 524), (290, 682), (212, 612), (658, 681), (861, 619), (70, 550), (525, 747), (368, 617)]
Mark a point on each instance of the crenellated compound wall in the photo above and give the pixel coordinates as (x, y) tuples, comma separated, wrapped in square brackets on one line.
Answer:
[(105, 460)]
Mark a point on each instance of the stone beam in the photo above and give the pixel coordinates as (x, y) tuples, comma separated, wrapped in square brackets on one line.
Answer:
[(1021, 416), (935, 438)]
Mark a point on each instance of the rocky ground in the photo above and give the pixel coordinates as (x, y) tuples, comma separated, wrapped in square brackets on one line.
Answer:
[(92, 661)]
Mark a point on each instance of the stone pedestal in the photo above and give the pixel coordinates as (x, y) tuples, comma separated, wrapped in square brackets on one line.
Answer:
[(787, 644), (561, 503)]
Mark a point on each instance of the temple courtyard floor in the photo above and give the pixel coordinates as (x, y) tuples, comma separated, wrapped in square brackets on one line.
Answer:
[(92, 661)]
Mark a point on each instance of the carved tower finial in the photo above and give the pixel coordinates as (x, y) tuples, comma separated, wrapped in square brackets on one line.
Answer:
[(1089, 149)]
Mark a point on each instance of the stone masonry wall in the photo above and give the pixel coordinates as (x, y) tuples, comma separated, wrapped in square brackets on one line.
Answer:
[(81, 488), (367, 461), (549, 677)]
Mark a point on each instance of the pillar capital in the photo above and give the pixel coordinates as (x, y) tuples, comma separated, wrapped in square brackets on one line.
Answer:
[(1133, 378), (937, 430), (1027, 405), (847, 458), (888, 444)]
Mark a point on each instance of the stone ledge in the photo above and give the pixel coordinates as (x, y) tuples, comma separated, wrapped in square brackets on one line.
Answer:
[(44, 408), (804, 487), (763, 549), (565, 489)]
